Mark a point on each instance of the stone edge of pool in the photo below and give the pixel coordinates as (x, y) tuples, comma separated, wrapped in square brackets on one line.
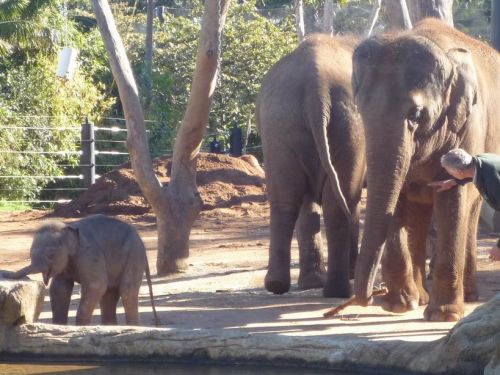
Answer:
[(472, 346)]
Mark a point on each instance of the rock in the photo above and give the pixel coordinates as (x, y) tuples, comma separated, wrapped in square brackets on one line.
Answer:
[(493, 368), (471, 347), (21, 301)]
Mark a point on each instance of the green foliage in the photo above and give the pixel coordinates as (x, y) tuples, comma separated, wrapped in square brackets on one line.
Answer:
[(33, 31), (27, 25), (251, 44), (31, 96)]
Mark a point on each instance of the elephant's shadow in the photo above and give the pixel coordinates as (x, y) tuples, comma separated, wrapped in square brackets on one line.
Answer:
[(256, 311)]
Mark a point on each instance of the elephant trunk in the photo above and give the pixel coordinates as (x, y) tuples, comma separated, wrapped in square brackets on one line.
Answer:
[(387, 166), (28, 270)]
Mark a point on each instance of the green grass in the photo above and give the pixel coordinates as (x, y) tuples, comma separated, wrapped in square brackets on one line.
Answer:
[(13, 207)]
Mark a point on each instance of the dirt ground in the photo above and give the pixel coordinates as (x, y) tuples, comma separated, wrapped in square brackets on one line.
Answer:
[(223, 286)]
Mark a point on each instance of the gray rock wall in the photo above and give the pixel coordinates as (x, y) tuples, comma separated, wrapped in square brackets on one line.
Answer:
[(20, 301)]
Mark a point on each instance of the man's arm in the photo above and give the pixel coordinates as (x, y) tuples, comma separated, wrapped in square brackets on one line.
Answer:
[(443, 185), (464, 181)]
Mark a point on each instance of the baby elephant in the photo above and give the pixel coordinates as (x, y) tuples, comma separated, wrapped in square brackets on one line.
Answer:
[(105, 255)]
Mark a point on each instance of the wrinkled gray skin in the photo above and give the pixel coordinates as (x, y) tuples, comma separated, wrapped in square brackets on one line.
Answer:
[(421, 94), (313, 147), (106, 256)]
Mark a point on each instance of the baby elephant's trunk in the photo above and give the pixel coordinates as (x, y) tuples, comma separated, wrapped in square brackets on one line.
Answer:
[(28, 270)]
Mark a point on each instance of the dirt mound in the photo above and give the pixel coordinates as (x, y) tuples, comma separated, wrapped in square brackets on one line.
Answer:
[(223, 181)]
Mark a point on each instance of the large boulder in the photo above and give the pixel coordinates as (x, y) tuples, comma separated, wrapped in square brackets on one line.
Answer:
[(21, 301)]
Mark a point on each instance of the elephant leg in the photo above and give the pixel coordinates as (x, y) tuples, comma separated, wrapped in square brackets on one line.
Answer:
[(130, 299), (60, 298), (283, 220), (339, 251), (471, 292), (310, 245), (108, 306), (91, 295), (418, 219), (397, 267), (343, 232), (286, 191), (452, 217)]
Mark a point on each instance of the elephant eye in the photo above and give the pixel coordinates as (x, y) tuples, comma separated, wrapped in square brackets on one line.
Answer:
[(415, 114)]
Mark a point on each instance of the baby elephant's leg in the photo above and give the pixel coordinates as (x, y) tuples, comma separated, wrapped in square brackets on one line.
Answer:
[(129, 288), (108, 306), (130, 296), (60, 298), (91, 295)]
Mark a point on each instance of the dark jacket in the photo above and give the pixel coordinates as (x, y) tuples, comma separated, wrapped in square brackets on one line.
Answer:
[(488, 178)]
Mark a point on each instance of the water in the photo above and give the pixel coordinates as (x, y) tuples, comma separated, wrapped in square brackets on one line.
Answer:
[(156, 368)]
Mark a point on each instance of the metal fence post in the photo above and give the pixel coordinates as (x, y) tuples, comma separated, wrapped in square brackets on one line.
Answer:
[(87, 158), (495, 23)]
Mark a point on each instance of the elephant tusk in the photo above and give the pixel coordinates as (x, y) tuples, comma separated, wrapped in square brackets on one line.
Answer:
[(332, 312)]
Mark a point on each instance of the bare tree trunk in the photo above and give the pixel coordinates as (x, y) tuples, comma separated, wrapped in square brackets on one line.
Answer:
[(177, 205), (397, 14), (442, 9), (374, 16), (495, 23), (299, 19), (328, 15), (417, 9), (148, 58)]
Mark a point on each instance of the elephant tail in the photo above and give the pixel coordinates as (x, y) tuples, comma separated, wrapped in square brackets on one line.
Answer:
[(320, 134), (150, 286)]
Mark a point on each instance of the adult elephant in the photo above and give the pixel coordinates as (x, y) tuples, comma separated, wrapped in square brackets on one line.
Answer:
[(313, 147), (422, 93)]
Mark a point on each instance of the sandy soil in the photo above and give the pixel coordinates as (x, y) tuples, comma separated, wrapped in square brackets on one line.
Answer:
[(223, 287)]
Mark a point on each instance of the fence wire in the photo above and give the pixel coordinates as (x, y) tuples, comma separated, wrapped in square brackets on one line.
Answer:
[(108, 151)]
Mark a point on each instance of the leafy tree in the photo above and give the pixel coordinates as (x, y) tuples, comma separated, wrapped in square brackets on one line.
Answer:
[(251, 44), (34, 99), (26, 24)]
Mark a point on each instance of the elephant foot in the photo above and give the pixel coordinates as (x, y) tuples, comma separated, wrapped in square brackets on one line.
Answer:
[(444, 313), (400, 302), (337, 287), (311, 280), (423, 297), (352, 272), (277, 284)]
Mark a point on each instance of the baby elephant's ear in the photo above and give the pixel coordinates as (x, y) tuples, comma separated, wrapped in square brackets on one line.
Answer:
[(72, 238), (462, 91)]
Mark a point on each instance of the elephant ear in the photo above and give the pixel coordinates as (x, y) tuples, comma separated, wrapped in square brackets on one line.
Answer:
[(72, 238), (462, 90)]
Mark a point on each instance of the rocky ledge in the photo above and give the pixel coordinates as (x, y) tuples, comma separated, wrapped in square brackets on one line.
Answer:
[(21, 301)]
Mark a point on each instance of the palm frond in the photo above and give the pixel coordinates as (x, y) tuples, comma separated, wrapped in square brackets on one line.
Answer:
[(12, 9), (33, 6)]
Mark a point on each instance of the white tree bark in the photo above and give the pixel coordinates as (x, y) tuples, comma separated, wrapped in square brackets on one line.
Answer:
[(328, 16), (299, 20), (374, 16), (148, 58), (176, 206), (417, 10), (442, 9), (406, 14)]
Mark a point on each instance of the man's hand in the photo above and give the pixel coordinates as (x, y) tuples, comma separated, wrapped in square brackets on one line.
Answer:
[(495, 253), (442, 185)]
